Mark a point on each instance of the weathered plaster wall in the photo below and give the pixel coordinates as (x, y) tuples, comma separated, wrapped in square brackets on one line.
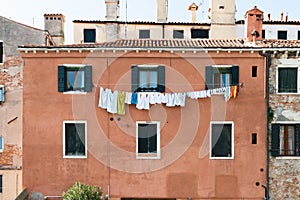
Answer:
[(284, 171)]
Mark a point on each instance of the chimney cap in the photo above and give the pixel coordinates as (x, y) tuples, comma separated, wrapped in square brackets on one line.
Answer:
[(193, 7), (255, 33)]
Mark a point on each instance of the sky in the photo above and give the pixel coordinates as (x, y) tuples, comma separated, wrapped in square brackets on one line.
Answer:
[(31, 12)]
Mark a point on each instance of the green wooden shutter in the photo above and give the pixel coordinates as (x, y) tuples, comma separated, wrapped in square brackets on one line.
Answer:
[(88, 82), (275, 140), (298, 139), (134, 78), (161, 79), (235, 75), (208, 77), (61, 78)]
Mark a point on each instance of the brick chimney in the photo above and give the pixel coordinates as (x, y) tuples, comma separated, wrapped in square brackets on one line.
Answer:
[(253, 24), (193, 8), (162, 11), (112, 10), (54, 24)]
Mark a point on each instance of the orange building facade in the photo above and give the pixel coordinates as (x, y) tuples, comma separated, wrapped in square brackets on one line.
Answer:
[(208, 145)]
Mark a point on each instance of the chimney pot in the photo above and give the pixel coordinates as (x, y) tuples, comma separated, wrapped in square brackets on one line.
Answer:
[(269, 16), (286, 18), (281, 17)]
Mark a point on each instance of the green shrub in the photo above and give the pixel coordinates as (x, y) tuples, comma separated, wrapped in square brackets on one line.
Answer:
[(83, 192)]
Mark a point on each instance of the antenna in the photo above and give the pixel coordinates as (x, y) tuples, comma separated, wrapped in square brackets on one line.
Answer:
[(125, 27)]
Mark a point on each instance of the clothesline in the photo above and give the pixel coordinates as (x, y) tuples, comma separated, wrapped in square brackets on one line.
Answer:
[(114, 101)]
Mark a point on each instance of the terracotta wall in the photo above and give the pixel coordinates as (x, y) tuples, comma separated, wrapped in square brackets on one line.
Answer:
[(184, 169)]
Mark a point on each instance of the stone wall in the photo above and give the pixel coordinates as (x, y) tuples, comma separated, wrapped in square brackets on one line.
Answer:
[(284, 171)]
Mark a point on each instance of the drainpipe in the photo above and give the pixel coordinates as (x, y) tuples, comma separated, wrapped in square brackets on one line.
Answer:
[(163, 31), (268, 64)]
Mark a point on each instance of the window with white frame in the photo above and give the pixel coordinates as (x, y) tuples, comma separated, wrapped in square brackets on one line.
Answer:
[(1, 143), (75, 139), (221, 140), (148, 139), (1, 51), (287, 79), (218, 76), (285, 139), (73, 77)]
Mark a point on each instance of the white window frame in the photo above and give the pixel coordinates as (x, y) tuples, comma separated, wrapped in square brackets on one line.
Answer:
[(64, 133), (72, 66), (277, 79), (232, 140), (148, 155)]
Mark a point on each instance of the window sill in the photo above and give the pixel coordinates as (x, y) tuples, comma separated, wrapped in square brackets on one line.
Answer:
[(288, 158), (149, 156), (221, 158), (74, 92), (75, 157)]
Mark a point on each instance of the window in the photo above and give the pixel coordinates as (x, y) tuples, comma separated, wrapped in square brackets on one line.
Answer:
[(298, 35), (148, 78), (144, 34), (221, 140), (1, 51), (1, 144), (2, 93), (282, 35), (74, 78), (285, 140), (263, 34), (287, 80), (178, 34), (1, 183), (254, 71), (218, 76), (148, 139), (199, 33), (89, 35), (74, 138)]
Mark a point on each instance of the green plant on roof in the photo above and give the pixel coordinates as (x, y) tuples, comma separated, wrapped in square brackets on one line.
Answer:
[(81, 191)]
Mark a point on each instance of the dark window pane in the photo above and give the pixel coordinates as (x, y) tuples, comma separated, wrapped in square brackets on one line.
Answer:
[(287, 80), (222, 77), (287, 140), (75, 139), (178, 34), (89, 35), (1, 184), (148, 79), (147, 138), (221, 140), (75, 79), (282, 35), (298, 35), (1, 52), (144, 34), (199, 33), (254, 71), (263, 34)]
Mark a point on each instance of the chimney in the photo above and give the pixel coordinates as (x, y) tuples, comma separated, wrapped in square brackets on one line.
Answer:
[(269, 16), (253, 24), (281, 17), (55, 25), (286, 18), (255, 35), (112, 10), (162, 11), (193, 8)]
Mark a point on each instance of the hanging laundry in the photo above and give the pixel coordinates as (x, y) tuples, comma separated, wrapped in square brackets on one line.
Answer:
[(164, 98), (227, 94), (128, 97), (158, 97), (235, 91), (171, 100), (180, 99), (112, 103), (102, 98), (152, 96), (121, 103), (134, 99), (143, 101)]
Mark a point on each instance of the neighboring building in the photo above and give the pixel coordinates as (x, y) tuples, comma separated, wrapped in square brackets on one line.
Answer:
[(13, 34), (284, 121), (207, 149)]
